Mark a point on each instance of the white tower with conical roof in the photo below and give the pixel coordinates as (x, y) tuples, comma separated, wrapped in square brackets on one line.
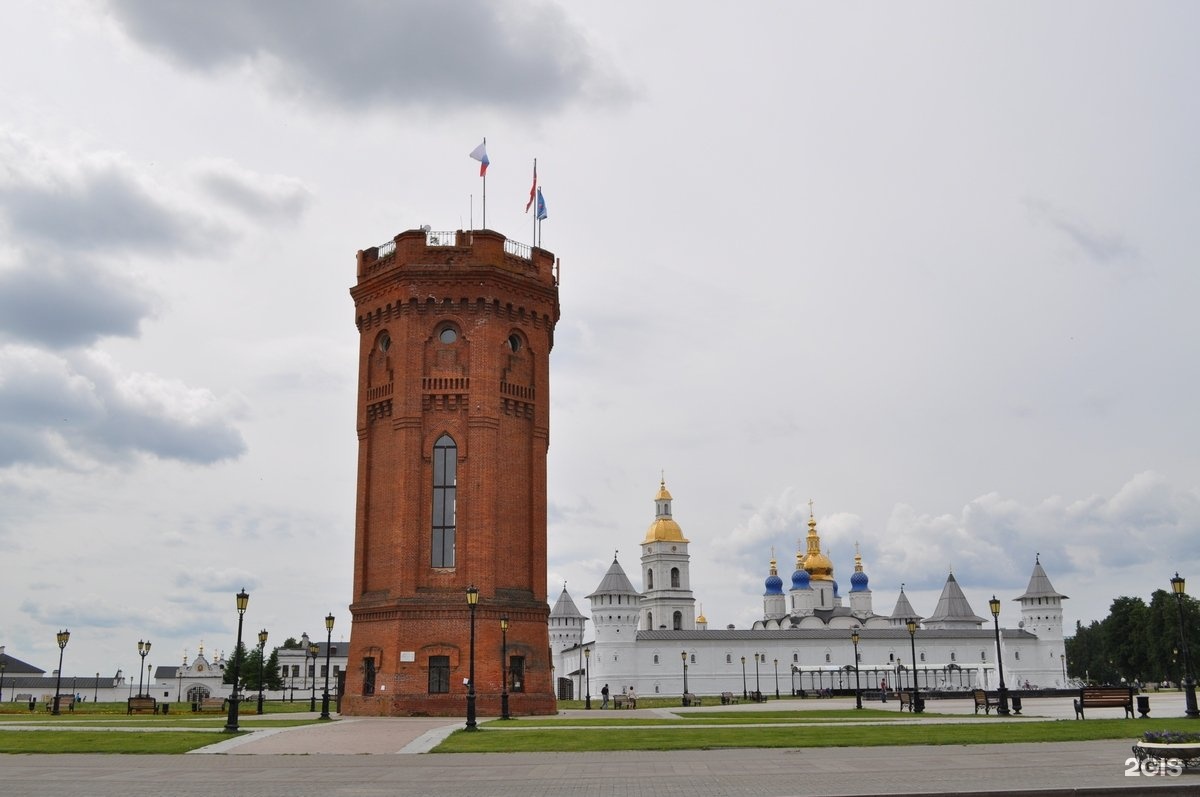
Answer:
[(566, 624), (667, 602), (1041, 605)]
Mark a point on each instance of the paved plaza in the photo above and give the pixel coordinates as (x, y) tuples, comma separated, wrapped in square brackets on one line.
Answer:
[(384, 756)]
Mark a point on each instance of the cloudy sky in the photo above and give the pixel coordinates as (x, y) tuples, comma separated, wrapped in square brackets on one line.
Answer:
[(930, 265)]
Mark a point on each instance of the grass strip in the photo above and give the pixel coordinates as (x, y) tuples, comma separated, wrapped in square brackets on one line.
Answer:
[(487, 740), (133, 743)]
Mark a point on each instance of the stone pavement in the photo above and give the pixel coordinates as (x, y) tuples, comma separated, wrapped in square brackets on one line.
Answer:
[(358, 756)]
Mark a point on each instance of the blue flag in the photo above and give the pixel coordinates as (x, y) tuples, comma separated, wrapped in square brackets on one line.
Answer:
[(541, 205)]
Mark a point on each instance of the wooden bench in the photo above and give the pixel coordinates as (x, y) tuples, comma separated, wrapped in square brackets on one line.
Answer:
[(690, 699), (905, 699), (1104, 697), (982, 701), (210, 704), (619, 701), (65, 703), (142, 705), (728, 699)]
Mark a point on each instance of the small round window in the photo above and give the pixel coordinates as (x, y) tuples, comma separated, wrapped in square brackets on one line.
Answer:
[(514, 343), (448, 335), (385, 342)]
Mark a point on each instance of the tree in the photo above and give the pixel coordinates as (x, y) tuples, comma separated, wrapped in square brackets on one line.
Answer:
[(238, 655), (273, 675), (1126, 639)]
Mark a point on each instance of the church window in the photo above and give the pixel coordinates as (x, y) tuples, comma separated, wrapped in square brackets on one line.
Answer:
[(656, 658), (675, 577), (514, 343), (796, 657), (729, 658), (1017, 655), (922, 655), (677, 621), (983, 655), (650, 579), (953, 656), (827, 658), (448, 335), (693, 657), (439, 675), (385, 342), (891, 657), (445, 489), (650, 620)]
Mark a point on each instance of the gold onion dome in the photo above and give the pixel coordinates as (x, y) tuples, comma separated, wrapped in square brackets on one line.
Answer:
[(818, 565), (664, 528)]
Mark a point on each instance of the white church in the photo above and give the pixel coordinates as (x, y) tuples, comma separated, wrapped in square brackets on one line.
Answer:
[(652, 640)]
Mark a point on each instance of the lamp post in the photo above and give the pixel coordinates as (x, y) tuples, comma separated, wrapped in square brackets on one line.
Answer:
[(1002, 692), (504, 715), (262, 651), (1063, 658), (1189, 682), (745, 694), (3, 666), (794, 668), (143, 651), (757, 684), (63, 637), (912, 637), (587, 664), (854, 637), (95, 685), (231, 723), (313, 650), (328, 645), (472, 602), (776, 679), (683, 656)]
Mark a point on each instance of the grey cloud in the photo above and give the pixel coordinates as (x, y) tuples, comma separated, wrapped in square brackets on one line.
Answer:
[(359, 54), (255, 195), (1101, 247), (69, 303), (69, 411)]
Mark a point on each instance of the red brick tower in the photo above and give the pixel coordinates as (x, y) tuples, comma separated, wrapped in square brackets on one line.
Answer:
[(453, 426)]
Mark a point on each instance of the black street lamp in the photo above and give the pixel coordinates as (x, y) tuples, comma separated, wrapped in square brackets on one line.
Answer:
[(587, 664), (854, 637), (776, 679), (143, 651), (757, 685), (62, 637), (745, 694), (262, 654), (314, 650), (95, 686), (1063, 658), (1189, 681), (917, 705), (3, 665), (472, 602), (328, 645), (1002, 692), (795, 669), (504, 715), (683, 656), (231, 724)]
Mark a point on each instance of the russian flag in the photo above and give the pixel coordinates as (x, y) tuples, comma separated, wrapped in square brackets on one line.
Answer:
[(480, 154)]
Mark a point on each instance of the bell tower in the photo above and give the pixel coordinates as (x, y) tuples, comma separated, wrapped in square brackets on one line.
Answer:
[(453, 419)]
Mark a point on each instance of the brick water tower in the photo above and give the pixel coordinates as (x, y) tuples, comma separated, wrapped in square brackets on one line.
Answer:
[(455, 331)]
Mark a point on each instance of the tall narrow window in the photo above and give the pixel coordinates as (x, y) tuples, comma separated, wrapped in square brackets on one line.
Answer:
[(516, 673), (445, 488), (368, 682), (439, 675), (649, 579), (675, 577), (677, 621)]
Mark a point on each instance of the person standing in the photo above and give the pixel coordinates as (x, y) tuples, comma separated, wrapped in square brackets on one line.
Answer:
[(604, 697)]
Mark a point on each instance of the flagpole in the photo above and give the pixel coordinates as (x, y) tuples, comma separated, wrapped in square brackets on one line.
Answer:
[(485, 188), (472, 201), (535, 219)]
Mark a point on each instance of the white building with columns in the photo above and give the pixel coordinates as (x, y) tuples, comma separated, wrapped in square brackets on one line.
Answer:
[(651, 639)]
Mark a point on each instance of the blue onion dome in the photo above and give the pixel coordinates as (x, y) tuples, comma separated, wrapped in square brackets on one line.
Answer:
[(858, 581), (801, 579), (835, 589), (774, 583)]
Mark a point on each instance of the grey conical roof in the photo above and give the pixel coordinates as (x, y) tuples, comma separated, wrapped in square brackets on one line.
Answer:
[(953, 605), (904, 609), (1039, 583), (615, 582), (564, 607)]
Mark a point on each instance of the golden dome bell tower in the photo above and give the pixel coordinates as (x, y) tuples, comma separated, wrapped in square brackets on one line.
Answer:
[(667, 602)]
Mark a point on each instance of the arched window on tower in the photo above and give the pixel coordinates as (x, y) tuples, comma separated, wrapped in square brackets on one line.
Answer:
[(445, 488), (649, 621), (675, 577), (649, 579), (677, 621)]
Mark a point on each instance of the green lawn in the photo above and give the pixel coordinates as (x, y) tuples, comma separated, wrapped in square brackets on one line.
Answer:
[(166, 742), (512, 737)]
